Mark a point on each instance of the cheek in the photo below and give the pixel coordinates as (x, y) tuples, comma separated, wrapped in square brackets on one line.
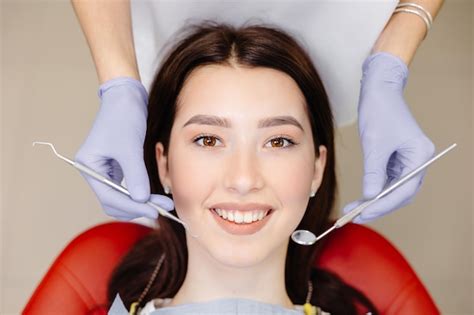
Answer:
[(291, 181), (193, 177), (290, 175)]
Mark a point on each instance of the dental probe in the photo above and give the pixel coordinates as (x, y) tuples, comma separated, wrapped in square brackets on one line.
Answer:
[(304, 237), (110, 183)]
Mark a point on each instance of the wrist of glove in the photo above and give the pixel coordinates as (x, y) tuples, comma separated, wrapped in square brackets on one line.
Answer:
[(383, 67), (132, 83)]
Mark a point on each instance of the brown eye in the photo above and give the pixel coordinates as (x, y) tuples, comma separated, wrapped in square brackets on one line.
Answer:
[(207, 141), (279, 142)]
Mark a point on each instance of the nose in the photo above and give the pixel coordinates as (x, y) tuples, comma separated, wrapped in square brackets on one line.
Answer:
[(243, 172)]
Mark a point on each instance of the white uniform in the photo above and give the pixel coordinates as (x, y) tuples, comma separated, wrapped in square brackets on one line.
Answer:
[(337, 34)]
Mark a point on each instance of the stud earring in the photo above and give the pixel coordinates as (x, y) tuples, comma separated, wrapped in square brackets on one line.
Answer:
[(313, 193), (167, 190)]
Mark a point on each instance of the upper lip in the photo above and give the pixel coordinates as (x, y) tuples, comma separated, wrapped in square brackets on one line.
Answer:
[(241, 206)]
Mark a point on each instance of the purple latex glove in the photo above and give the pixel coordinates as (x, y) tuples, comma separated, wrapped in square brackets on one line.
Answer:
[(114, 148), (392, 142)]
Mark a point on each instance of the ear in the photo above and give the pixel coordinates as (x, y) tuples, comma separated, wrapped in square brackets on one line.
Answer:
[(162, 164), (319, 166)]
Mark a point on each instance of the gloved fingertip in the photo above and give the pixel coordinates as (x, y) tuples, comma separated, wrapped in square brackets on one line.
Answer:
[(358, 220), (350, 206), (164, 201), (368, 216), (140, 193), (152, 214)]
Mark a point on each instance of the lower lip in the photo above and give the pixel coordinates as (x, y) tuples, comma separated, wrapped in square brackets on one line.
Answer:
[(241, 228)]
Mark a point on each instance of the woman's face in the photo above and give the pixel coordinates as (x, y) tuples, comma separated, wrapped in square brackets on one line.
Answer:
[(241, 142)]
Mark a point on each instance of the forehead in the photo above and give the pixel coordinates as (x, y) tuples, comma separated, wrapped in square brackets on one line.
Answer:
[(240, 91)]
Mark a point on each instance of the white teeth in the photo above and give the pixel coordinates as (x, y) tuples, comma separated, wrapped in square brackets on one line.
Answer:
[(248, 217), (238, 217), (241, 216)]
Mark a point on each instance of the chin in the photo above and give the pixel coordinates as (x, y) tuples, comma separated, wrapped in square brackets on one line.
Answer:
[(239, 254), (237, 251)]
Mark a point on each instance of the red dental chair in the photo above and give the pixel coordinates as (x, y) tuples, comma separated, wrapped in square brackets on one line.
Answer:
[(76, 283)]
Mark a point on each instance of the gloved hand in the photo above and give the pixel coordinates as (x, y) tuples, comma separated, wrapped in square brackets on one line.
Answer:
[(114, 148), (392, 142)]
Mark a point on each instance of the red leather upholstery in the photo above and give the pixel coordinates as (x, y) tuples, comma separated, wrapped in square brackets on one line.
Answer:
[(367, 261), (76, 283)]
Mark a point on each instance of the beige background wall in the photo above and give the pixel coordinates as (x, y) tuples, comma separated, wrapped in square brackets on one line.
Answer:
[(49, 93)]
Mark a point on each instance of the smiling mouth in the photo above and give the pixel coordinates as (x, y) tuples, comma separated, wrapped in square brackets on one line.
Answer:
[(242, 217), (241, 222)]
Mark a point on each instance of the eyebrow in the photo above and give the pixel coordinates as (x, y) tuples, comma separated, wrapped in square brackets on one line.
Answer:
[(225, 123)]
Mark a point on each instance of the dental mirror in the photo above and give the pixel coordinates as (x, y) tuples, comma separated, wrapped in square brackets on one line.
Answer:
[(305, 237)]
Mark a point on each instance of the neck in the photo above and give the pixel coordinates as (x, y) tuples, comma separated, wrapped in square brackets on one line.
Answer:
[(207, 279)]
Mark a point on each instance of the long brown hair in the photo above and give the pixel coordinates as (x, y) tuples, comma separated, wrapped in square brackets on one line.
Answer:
[(260, 45)]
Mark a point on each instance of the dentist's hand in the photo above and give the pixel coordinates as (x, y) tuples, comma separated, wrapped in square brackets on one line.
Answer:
[(114, 148), (392, 142)]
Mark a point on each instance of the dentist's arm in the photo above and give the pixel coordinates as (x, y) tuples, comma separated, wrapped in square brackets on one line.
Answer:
[(392, 142), (108, 29), (114, 146), (404, 32)]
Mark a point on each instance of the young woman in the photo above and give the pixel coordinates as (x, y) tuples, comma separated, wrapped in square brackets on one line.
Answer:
[(240, 133), (125, 39)]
